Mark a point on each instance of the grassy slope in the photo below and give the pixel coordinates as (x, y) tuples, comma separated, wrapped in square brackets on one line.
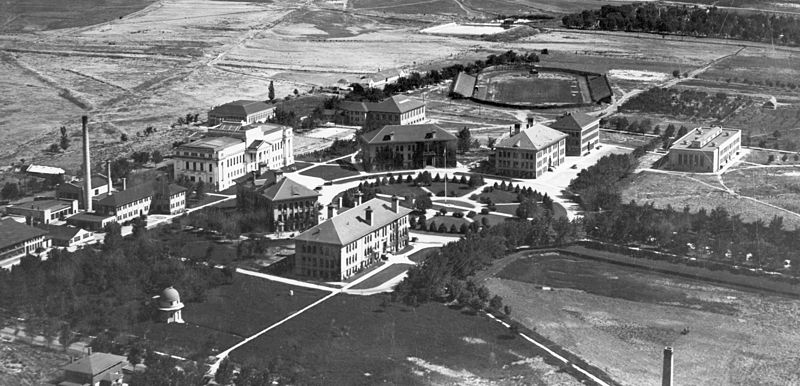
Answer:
[(54, 14)]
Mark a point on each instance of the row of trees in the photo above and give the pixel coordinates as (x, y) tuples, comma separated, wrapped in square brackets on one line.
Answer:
[(686, 102), (692, 21)]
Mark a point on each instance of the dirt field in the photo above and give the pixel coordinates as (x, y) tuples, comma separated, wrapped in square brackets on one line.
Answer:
[(734, 337)]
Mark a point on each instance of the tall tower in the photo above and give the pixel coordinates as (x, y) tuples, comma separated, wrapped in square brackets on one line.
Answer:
[(87, 167), (666, 375)]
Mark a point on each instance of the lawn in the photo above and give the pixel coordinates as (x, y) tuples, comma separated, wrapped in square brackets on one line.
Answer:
[(508, 209), (351, 340), (422, 254), (402, 190), (185, 340), (619, 319), (777, 186), (248, 305), (330, 172), (492, 218), (381, 277), (447, 220), (498, 196), (207, 199), (453, 189)]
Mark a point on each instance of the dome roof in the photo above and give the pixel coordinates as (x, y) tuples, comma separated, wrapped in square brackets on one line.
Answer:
[(170, 295)]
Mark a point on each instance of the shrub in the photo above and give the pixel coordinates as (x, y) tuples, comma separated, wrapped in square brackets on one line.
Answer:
[(472, 213), (458, 214), (442, 228), (443, 211), (432, 226), (484, 211), (492, 207), (463, 229), (453, 228), (485, 221), (440, 193), (496, 303)]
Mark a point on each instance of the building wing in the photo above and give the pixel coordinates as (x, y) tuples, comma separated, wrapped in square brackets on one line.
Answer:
[(352, 224), (536, 137)]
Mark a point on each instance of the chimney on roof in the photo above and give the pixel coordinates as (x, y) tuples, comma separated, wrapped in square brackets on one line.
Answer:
[(89, 350), (108, 176), (517, 127), (359, 197), (124, 183), (331, 210), (666, 375), (369, 215), (87, 168), (395, 204), (530, 121), (341, 200)]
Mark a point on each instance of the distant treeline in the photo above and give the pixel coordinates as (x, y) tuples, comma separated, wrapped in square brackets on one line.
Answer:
[(693, 21)]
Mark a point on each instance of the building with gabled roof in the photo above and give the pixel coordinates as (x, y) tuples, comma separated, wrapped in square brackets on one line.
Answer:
[(531, 152), (241, 111), (125, 205), (96, 369), (381, 78), (67, 236), (408, 147), (168, 198), (350, 242), (583, 131), (44, 211), (396, 110), (18, 240), (291, 206)]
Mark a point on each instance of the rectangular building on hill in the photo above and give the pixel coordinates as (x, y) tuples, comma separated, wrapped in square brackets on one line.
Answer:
[(290, 206), (349, 242), (531, 152), (583, 132), (705, 149), (408, 147), (231, 151), (241, 111), (397, 110)]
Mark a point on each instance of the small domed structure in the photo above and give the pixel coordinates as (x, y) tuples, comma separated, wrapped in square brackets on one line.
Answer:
[(169, 303)]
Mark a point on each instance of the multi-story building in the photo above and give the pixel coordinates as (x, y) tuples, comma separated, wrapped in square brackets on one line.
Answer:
[(408, 147), (125, 205), (241, 111), (583, 132), (381, 78), (44, 211), (18, 240), (397, 110), (168, 198), (74, 190), (291, 206), (230, 151), (531, 152), (349, 242), (705, 149)]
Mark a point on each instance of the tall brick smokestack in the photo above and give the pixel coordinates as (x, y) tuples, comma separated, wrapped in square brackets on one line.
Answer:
[(666, 375), (108, 175), (87, 168)]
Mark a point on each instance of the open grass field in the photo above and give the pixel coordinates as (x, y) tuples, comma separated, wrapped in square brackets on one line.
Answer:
[(381, 277), (498, 196), (492, 218), (447, 220), (777, 186), (367, 340), (760, 124), (453, 189), (508, 209), (698, 191), (329, 172), (35, 15), (619, 319), (520, 88)]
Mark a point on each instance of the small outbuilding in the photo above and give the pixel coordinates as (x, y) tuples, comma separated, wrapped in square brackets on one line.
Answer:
[(170, 306)]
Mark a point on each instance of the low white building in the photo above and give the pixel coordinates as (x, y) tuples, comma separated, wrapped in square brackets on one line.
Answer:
[(230, 151), (18, 240), (705, 149), (245, 111)]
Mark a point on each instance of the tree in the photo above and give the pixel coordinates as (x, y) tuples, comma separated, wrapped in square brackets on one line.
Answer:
[(271, 91), (64, 143), (200, 190), (295, 92), (423, 202), (113, 237), (682, 131), (123, 137), (496, 303), (464, 139), (156, 156), (53, 148), (676, 73), (490, 142), (10, 191)]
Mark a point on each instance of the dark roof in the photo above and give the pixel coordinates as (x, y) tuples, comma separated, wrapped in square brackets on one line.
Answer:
[(60, 232), (117, 199), (574, 121), (397, 104), (255, 144), (536, 137), (88, 217), (12, 232), (464, 84), (408, 133), (95, 364), (288, 189), (351, 225), (97, 181), (599, 87), (240, 107), (353, 106)]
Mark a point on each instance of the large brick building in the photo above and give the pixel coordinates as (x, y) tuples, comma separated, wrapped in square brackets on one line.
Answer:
[(531, 152), (231, 151), (241, 111), (349, 242), (583, 132), (290, 206), (408, 147), (397, 110), (705, 149)]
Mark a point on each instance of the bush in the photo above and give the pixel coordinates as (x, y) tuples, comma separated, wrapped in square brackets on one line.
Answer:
[(442, 228), (484, 211), (443, 211), (471, 214), (458, 214)]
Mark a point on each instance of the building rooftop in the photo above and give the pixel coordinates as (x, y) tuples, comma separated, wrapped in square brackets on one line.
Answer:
[(88, 217), (12, 232), (574, 121), (464, 84), (240, 108), (408, 133), (704, 138), (353, 106), (288, 189), (44, 205), (41, 169), (397, 104), (95, 364), (97, 181), (352, 225), (536, 137), (266, 128), (127, 196), (60, 232), (214, 143)]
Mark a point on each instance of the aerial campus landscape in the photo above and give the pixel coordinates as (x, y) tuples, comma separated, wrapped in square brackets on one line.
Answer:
[(435, 192)]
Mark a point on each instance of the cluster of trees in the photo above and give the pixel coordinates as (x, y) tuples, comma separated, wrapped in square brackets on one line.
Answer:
[(692, 21), (339, 147), (465, 140), (189, 118), (597, 187), (715, 235), (687, 102), (62, 144), (94, 290), (442, 275), (230, 223)]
